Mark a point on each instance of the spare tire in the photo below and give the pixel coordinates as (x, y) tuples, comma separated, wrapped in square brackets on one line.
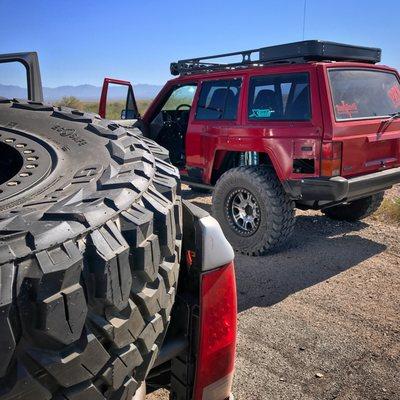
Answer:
[(90, 238)]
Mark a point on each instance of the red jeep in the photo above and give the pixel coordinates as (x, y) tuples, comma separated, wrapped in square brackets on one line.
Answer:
[(311, 125)]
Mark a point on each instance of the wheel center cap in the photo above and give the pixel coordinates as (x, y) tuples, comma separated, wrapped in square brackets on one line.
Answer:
[(243, 212), (249, 210)]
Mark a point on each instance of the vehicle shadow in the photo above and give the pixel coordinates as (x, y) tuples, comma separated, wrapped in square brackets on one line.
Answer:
[(319, 249)]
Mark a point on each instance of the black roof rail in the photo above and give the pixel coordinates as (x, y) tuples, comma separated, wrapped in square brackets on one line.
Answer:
[(297, 52)]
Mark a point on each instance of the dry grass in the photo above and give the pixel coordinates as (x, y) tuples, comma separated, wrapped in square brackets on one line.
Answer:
[(114, 108), (389, 211)]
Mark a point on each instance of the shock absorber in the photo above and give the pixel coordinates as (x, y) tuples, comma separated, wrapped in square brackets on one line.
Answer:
[(242, 159), (255, 160), (250, 158)]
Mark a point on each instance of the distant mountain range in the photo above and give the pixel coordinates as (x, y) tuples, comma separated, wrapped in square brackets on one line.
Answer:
[(83, 92)]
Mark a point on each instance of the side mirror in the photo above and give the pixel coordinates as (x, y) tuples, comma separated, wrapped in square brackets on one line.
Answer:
[(129, 114)]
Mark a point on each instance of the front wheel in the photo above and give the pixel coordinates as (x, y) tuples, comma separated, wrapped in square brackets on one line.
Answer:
[(255, 213), (355, 210)]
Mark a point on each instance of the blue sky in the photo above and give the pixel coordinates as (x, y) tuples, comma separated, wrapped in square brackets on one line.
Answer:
[(83, 41)]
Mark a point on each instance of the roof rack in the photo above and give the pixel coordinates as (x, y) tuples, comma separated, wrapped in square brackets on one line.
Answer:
[(297, 52)]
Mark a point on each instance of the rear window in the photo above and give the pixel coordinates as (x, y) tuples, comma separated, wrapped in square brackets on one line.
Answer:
[(279, 97), (364, 93)]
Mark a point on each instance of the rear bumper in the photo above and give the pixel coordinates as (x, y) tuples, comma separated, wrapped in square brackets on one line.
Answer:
[(339, 188)]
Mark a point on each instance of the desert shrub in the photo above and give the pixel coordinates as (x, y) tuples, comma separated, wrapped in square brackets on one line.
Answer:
[(390, 210), (70, 101), (114, 107)]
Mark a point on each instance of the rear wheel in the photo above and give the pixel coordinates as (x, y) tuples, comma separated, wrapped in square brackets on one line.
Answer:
[(255, 213), (355, 210), (89, 254)]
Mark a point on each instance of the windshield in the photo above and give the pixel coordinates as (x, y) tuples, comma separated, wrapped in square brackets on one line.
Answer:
[(361, 93)]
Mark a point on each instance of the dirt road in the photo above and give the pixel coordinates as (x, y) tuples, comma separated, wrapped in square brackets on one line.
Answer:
[(320, 320)]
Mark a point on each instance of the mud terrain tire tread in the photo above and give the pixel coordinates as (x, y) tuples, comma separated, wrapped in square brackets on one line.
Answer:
[(278, 209), (86, 287), (355, 210)]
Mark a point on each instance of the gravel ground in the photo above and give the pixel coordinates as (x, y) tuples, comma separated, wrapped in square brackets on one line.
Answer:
[(320, 320)]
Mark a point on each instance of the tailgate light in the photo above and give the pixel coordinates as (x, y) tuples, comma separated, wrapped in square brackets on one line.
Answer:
[(331, 158), (217, 341)]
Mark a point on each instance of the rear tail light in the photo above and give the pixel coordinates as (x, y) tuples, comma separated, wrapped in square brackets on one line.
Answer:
[(217, 341), (331, 158)]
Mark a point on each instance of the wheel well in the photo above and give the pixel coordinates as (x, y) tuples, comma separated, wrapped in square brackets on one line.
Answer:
[(232, 159)]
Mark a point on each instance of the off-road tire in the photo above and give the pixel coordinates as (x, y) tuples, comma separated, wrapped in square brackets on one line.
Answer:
[(90, 237), (277, 210), (355, 210)]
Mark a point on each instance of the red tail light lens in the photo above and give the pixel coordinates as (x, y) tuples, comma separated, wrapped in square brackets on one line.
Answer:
[(331, 158), (217, 342)]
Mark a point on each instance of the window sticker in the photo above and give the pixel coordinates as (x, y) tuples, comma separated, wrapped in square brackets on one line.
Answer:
[(394, 95), (346, 109), (261, 113)]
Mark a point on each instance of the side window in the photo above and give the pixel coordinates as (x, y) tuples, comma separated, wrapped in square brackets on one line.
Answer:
[(279, 97), (181, 97), (219, 100)]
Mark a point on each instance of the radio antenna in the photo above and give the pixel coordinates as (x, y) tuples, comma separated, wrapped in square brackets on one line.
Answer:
[(304, 17)]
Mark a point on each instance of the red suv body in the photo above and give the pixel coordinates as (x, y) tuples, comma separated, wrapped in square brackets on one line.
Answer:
[(327, 129)]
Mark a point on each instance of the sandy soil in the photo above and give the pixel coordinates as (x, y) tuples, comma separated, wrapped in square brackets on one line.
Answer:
[(320, 320)]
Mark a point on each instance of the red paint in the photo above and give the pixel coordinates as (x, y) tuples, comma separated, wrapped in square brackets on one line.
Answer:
[(208, 142)]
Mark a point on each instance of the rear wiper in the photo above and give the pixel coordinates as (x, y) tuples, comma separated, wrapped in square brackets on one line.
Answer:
[(385, 123)]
